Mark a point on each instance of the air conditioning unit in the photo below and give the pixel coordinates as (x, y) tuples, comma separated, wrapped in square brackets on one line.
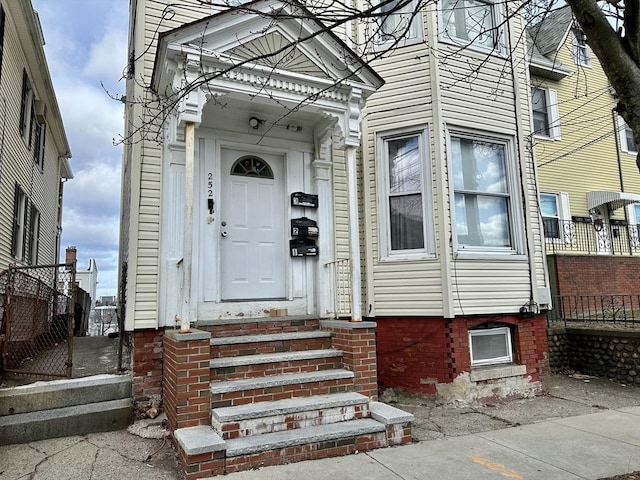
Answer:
[(40, 109)]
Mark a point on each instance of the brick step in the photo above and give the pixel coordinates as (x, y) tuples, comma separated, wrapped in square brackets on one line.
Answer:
[(251, 366), (259, 326), (268, 417), (269, 343), (279, 387)]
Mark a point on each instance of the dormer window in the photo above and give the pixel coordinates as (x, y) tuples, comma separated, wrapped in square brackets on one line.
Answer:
[(581, 51)]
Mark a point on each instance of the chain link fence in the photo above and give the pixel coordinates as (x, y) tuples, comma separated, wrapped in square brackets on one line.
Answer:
[(37, 326)]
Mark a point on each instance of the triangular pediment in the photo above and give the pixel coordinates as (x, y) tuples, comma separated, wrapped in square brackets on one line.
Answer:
[(276, 35), (276, 51)]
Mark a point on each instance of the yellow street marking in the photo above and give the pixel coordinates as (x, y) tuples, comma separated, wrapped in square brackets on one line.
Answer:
[(504, 471)]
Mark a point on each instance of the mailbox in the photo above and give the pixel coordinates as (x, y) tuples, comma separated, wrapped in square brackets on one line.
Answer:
[(300, 199), (303, 247), (304, 227)]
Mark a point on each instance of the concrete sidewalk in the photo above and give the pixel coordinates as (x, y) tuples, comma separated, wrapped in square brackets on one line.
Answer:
[(585, 447), (581, 428)]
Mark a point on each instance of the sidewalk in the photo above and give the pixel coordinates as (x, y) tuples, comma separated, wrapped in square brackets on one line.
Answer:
[(582, 428)]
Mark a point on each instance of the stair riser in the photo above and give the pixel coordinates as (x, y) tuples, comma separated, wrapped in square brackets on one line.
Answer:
[(244, 397), (262, 328), (280, 346), (278, 423), (262, 370), (313, 451)]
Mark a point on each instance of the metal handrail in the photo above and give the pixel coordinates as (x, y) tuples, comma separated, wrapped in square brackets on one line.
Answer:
[(341, 286), (591, 238)]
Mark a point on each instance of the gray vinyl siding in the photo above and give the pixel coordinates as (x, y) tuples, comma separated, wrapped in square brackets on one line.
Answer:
[(484, 102), (142, 183), (17, 159)]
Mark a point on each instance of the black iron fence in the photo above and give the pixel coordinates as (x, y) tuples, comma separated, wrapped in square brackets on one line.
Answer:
[(584, 236), (37, 323), (610, 309)]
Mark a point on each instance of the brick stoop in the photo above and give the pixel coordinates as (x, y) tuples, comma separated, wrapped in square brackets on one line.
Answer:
[(279, 390)]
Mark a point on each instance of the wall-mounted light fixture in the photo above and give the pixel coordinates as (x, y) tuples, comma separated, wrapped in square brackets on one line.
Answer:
[(255, 122)]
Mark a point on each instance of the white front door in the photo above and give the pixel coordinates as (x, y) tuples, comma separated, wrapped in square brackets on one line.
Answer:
[(253, 244)]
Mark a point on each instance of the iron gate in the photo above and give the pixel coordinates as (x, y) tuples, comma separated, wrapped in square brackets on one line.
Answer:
[(37, 323)]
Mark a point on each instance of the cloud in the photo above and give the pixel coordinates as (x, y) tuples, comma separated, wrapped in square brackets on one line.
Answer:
[(108, 56)]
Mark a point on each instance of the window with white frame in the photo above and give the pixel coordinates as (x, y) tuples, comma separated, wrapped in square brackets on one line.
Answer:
[(627, 142), (395, 22), (26, 109), (489, 346), (544, 106), (34, 235), (403, 200), (550, 209), (482, 187), (470, 22), (20, 216), (581, 51)]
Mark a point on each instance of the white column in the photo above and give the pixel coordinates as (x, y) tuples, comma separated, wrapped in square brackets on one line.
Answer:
[(187, 248), (354, 234), (322, 178)]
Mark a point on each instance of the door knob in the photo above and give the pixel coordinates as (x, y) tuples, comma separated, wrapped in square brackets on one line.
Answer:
[(223, 233)]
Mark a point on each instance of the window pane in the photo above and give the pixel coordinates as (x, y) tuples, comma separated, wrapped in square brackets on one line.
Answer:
[(631, 143), (478, 166), (490, 346), (540, 111), (407, 230), (482, 221), (469, 20), (636, 209), (395, 24), (405, 174), (549, 205), (406, 220)]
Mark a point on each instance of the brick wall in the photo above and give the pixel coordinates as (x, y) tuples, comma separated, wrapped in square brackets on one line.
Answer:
[(417, 354), (146, 357), (595, 274), (357, 340)]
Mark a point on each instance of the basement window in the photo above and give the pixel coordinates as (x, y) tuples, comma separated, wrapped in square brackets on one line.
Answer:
[(490, 346)]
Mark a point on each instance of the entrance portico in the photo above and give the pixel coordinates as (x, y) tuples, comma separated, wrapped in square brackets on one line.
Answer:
[(248, 131)]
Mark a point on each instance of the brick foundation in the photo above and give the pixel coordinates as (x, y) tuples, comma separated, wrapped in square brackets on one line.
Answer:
[(147, 367), (419, 354)]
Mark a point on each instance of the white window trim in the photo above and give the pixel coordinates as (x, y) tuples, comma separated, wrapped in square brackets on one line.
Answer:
[(564, 214), (575, 45), (382, 176), (416, 27), (491, 331), (516, 251), (498, 19), (622, 136), (552, 115)]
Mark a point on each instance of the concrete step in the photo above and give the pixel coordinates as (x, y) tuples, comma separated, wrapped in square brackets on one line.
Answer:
[(251, 366), (65, 422), (279, 387), (64, 393), (259, 326), (311, 435), (270, 343), (268, 417)]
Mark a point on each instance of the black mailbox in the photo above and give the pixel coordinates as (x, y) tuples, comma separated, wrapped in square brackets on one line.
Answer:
[(303, 247), (304, 227), (300, 199)]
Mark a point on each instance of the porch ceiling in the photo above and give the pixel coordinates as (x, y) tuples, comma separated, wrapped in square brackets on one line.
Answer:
[(614, 200)]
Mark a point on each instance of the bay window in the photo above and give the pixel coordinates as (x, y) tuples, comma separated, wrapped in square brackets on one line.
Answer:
[(483, 203), (471, 22)]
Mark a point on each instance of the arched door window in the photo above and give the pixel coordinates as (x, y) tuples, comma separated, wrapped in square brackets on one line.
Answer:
[(251, 166)]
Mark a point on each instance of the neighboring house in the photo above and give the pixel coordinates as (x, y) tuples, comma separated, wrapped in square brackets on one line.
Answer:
[(588, 178), (432, 231), (88, 281), (34, 152)]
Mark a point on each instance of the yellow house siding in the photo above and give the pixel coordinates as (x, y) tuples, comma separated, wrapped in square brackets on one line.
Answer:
[(580, 161)]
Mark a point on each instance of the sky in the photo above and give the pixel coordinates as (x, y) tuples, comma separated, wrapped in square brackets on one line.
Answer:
[(85, 46)]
